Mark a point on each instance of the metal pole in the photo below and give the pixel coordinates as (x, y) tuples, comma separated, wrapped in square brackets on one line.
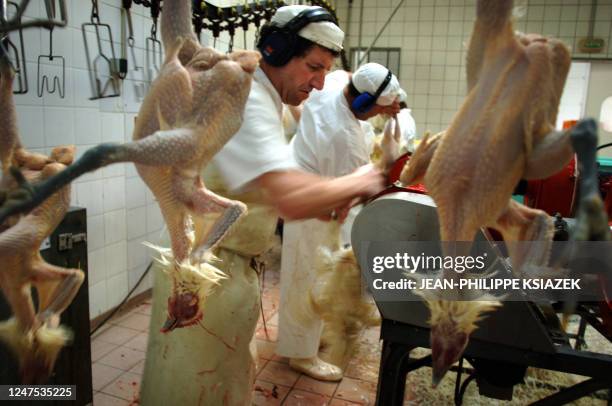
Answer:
[(380, 32), (347, 41), (360, 27)]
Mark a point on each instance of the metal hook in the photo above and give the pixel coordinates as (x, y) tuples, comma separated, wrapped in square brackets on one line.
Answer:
[(127, 5), (43, 80), (153, 47), (245, 22), (96, 83), (230, 25), (17, 62), (153, 50), (95, 14)]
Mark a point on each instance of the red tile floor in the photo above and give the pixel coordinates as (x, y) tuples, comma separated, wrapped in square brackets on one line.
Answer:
[(118, 353)]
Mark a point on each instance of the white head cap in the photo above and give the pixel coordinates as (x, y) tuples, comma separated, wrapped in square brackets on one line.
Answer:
[(370, 76), (324, 33)]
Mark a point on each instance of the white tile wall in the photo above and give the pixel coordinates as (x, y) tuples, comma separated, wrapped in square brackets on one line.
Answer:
[(433, 35), (121, 212)]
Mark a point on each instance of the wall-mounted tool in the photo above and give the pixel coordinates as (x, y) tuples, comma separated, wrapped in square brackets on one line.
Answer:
[(43, 83), (140, 88), (153, 47), (16, 54), (101, 65), (15, 22)]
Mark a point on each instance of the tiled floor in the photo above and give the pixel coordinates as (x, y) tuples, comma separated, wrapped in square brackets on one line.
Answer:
[(118, 353)]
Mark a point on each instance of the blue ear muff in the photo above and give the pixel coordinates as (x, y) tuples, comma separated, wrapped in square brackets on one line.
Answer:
[(363, 103)]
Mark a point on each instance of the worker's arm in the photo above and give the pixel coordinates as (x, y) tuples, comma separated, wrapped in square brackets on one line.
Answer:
[(298, 195)]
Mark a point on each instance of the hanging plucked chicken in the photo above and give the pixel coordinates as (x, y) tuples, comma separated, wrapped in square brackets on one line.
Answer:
[(192, 109), (33, 334), (503, 132)]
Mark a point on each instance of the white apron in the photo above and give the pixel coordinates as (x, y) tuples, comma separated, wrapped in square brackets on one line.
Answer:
[(213, 364)]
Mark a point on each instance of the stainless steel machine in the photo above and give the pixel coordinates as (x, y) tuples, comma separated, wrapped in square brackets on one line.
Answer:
[(516, 336)]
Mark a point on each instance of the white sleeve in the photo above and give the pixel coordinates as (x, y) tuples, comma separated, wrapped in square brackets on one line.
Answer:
[(258, 147)]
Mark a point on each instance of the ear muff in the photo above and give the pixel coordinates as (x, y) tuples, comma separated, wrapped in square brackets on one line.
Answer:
[(365, 101), (277, 44), (276, 47)]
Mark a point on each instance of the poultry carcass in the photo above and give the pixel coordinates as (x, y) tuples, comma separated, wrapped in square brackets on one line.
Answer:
[(504, 131), (337, 298), (387, 147), (193, 108), (34, 335), (201, 93)]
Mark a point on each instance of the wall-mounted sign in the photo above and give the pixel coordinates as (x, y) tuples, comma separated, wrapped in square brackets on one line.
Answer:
[(591, 45)]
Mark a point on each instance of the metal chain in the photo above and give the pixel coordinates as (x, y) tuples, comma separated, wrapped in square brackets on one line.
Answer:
[(95, 15)]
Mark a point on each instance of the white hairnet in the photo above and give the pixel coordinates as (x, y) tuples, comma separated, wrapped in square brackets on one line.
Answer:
[(324, 33)]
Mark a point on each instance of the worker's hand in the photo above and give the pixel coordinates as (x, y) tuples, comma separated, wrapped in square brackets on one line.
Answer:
[(327, 217), (342, 212), (371, 180), (363, 170), (392, 109)]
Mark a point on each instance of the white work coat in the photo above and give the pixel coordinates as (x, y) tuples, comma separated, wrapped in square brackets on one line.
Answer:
[(259, 146), (329, 142)]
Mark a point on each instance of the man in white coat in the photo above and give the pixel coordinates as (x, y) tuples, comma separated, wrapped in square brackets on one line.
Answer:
[(330, 141), (256, 166)]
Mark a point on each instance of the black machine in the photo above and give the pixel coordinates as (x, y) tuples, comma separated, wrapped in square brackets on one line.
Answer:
[(505, 344), (66, 247)]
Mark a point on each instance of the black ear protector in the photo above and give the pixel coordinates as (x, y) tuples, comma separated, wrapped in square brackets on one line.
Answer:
[(277, 43), (365, 101)]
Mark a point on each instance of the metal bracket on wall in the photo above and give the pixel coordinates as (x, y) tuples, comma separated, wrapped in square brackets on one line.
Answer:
[(66, 240)]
